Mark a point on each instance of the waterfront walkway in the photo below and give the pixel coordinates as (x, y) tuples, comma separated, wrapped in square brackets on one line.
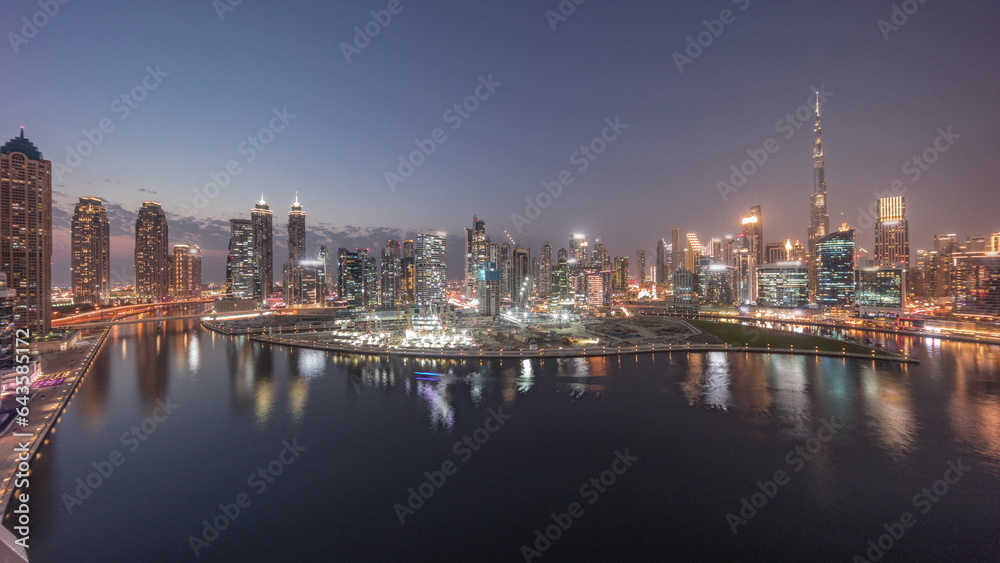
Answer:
[(47, 403)]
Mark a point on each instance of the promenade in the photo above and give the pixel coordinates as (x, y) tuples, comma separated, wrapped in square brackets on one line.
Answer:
[(46, 404)]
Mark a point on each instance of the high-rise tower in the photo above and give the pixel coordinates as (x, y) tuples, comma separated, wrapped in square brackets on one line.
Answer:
[(819, 219), (892, 242), (263, 252), (296, 231), (26, 232), (90, 248), (152, 264)]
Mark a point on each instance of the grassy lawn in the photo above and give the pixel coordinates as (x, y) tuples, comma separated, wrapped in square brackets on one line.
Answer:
[(741, 335)]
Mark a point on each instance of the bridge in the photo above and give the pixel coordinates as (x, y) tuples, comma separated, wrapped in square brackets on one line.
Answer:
[(112, 316)]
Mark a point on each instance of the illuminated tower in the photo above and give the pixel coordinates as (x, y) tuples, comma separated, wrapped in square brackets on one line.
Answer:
[(263, 238), (26, 232), (430, 253), (90, 247), (152, 264), (892, 242), (819, 219), (753, 228), (296, 231)]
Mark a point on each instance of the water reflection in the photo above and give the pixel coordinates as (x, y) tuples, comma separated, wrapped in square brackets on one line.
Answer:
[(886, 402)]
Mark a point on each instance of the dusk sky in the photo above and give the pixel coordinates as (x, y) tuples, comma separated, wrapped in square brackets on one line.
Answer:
[(890, 92)]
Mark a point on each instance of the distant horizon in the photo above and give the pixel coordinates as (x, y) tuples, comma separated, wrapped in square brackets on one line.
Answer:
[(621, 122)]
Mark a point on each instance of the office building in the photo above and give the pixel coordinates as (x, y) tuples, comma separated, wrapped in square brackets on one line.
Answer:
[(835, 270), (716, 284), (881, 291), (241, 265), (783, 285), (892, 242), (489, 289)]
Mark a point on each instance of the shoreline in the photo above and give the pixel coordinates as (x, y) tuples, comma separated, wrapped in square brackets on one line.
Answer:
[(565, 352), (54, 414)]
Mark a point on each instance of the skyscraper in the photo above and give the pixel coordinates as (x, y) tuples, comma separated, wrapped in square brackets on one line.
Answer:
[(892, 239), (240, 263), (263, 247), (391, 278), (296, 231), (26, 231), (640, 266), (408, 274), (296, 253), (90, 249), (753, 228), (476, 254), (579, 250), (545, 272), (819, 220), (152, 261), (619, 283), (835, 268), (521, 289), (677, 247), (662, 261), (185, 272), (430, 257)]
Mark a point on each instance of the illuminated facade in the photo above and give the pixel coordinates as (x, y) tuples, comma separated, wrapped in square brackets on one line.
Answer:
[(185, 272), (26, 232), (819, 219), (892, 239), (836, 265), (783, 285), (241, 266), (753, 229), (579, 250), (90, 252), (391, 274), (152, 261), (430, 256), (640, 266), (476, 254), (489, 289), (619, 282), (975, 283), (715, 284), (263, 247), (881, 291)]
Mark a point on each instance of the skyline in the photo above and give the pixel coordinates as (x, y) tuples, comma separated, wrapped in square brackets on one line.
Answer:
[(346, 123)]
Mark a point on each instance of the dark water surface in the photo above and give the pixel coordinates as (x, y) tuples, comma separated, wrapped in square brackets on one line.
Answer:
[(705, 429)]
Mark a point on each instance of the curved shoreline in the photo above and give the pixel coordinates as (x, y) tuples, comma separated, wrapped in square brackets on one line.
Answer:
[(288, 339)]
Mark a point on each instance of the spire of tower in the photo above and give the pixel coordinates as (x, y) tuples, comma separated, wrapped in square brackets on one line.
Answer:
[(262, 202), (296, 204)]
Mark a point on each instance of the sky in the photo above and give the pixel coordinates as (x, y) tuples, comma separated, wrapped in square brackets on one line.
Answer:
[(205, 105)]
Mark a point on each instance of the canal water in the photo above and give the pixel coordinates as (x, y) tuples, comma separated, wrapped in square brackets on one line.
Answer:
[(184, 444)]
